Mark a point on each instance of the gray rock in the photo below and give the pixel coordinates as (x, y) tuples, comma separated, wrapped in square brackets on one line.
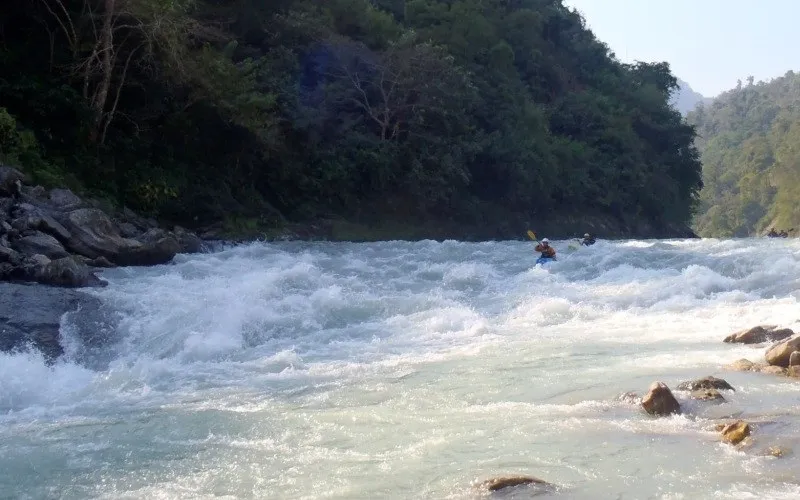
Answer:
[(128, 230), (99, 262), (137, 220), (151, 253), (34, 193), (28, 216), (5, 227), (9, 255), (40, 243), (94, 235), (64, 199), (5, 207), (188, 241), (68, 272), (40, 260)]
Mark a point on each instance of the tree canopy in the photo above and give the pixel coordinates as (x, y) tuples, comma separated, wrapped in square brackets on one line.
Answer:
[(750, 143), (199, 110)]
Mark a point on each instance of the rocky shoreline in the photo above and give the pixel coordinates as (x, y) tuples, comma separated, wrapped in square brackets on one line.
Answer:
[(53, 237), (52, 243)]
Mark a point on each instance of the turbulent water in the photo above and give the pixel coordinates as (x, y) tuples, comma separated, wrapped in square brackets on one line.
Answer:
[(408, 370)]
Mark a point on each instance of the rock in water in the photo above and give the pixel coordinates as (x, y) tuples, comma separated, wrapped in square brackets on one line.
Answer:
[(759, 334), (500, 483), (736, 432), (68, 272), (705, 383), (778, 355), (660, 401), (95, 235), (708, 395)]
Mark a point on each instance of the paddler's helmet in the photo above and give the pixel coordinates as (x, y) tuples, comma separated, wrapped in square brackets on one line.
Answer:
[(545, 240), (586, 235)]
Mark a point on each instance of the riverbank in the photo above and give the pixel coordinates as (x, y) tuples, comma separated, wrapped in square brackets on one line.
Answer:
[(510, 227), (54, 237)]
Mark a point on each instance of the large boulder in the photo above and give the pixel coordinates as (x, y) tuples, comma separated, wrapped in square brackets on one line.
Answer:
[(95, 235), (659, 400), (67, 272), (188, 241), (150, 253), (759, 334), (65, 200), (40, 243), (29, 217), (779, 354)]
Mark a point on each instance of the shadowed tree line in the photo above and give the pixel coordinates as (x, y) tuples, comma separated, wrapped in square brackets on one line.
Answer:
[(199, 111)]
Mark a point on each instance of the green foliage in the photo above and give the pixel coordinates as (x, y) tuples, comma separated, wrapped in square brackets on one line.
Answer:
[(751, 161), (457, 110)]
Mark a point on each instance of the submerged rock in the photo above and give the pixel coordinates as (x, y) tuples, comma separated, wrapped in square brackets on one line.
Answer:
[(708, 395), (659, 401), (631, 398), (503, 482), (30, 316), (709, 382)]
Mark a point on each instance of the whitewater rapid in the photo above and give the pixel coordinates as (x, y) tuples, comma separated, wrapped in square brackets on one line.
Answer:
[(407, 370)]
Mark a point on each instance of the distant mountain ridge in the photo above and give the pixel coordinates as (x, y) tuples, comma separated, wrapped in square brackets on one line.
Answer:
[(685, 99)]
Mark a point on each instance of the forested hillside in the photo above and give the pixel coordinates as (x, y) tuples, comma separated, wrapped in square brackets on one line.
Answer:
[(750, 143), (199, 111)]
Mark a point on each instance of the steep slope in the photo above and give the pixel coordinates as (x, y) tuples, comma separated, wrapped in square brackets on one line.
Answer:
[(749, 141)]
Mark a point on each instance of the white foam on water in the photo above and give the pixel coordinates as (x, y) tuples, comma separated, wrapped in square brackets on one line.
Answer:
[(408, 370)]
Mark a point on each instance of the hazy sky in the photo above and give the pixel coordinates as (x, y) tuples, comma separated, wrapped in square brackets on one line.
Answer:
[(708, 43)]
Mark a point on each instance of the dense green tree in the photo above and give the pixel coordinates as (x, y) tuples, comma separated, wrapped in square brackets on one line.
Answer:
[(751, 162), (202, 110)]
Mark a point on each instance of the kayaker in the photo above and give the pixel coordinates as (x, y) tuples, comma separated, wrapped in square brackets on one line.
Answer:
[(548, 252), (587, 240)]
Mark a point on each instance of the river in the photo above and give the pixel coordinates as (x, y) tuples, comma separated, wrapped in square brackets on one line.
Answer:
[(408, 370)]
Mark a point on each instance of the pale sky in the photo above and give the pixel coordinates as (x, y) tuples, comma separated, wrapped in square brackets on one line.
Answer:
[(708, 43)]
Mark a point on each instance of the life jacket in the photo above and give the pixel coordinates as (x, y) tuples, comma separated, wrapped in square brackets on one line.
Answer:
[(548, 252)]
